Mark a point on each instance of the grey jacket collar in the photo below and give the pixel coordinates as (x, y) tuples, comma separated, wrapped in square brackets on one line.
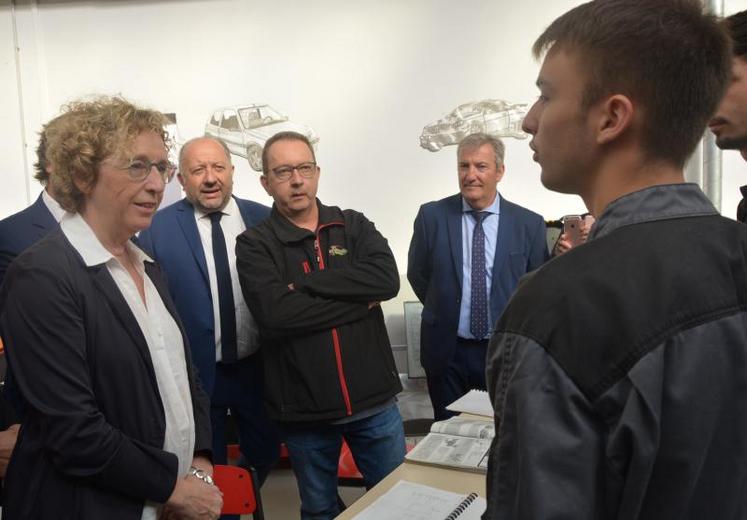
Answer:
[(663, 202)]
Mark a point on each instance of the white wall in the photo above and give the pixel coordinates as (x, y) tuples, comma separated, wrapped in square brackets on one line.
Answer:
[(367, 76)]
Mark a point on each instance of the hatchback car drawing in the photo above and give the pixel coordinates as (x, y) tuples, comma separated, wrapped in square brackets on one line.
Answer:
[(491, 116), (245, 128)]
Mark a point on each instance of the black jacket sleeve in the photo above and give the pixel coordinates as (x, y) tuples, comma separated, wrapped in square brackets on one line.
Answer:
[(371, 277), (279, 310)]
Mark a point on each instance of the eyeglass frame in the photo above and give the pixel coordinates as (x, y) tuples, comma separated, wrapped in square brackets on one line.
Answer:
[(295, 168), (165, 175)]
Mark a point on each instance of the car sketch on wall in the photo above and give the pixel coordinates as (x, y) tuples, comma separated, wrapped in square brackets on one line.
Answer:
[(245, 128), (491, 116)]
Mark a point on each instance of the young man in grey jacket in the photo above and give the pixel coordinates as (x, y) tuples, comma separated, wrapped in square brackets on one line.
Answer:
[(618, 371)]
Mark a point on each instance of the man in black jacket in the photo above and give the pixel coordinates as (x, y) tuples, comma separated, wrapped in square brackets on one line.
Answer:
[(618, 370), (313, 276)]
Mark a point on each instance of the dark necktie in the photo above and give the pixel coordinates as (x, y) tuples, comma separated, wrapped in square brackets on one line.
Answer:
[(225, 291), (478, 314)]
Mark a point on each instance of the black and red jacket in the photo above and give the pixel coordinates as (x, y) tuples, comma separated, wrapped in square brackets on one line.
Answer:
[(326, 354)]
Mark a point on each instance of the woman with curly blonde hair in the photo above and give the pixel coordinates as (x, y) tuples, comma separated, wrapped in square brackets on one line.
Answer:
[(116, 425)]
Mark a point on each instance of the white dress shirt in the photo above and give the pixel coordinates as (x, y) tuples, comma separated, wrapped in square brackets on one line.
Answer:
[(247, 335), (53, 206), (162, 335)]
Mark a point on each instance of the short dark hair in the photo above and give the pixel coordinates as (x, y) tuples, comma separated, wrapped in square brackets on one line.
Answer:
[(667, 56), (41, 166), (284, 136), (736, 26)]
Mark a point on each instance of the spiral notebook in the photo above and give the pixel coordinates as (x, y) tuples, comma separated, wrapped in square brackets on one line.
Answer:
[(411, 501)]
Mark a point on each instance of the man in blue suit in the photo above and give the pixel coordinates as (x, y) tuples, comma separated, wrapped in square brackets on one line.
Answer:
[(23, 229), (466, 256), (17, 233), (194, 241)]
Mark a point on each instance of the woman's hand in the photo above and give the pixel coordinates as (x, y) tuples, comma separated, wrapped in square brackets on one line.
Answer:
[(193, 499)]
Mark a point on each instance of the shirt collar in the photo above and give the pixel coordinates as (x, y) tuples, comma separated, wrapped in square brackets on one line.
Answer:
[(85, 242), (495, 207), (231, 209), (57, 211), (663, 202), (287, 232)]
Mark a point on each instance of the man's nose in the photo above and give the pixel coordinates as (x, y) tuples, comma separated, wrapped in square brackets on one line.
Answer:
[(296, 178), (529, 124), (210, 176)]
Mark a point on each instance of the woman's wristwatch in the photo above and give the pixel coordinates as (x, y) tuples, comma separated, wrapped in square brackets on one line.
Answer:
[(201, 474)]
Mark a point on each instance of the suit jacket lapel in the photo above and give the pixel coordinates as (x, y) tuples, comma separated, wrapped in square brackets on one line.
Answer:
[(104, 281), (246, 216), (502, 243), (454, 225), (41, 218), (186, 217)]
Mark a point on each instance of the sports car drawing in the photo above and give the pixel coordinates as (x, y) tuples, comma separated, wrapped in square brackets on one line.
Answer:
[(491, 116), (245, 128)]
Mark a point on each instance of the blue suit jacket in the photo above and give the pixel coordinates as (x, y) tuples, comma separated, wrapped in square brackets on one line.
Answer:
[(174, 242), (21, 230), (434, 269), (18, 232)]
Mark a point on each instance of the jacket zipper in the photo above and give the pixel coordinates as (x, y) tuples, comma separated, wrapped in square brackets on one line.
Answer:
[(335, 335)]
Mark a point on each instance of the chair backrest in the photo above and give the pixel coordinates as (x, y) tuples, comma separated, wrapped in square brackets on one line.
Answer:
[(240, 491), (347, 471)]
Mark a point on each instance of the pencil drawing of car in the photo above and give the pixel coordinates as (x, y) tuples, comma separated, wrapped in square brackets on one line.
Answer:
[(491, 116), (245, 128)]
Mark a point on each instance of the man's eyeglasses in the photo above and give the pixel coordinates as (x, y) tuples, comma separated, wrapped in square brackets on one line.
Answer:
[(305, 170), (140, 169)]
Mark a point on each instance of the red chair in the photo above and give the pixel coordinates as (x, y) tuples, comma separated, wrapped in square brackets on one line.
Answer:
[(233, 452), (347, 471), (239, 487)]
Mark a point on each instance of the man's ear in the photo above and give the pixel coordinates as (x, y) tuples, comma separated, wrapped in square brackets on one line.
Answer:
[(265, 184), (181, 178), (615, 117), (499, 172)]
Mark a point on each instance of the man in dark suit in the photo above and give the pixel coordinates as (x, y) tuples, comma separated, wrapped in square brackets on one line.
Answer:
[(466, 256), (17, 233), (194, 242), (25, 228)]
